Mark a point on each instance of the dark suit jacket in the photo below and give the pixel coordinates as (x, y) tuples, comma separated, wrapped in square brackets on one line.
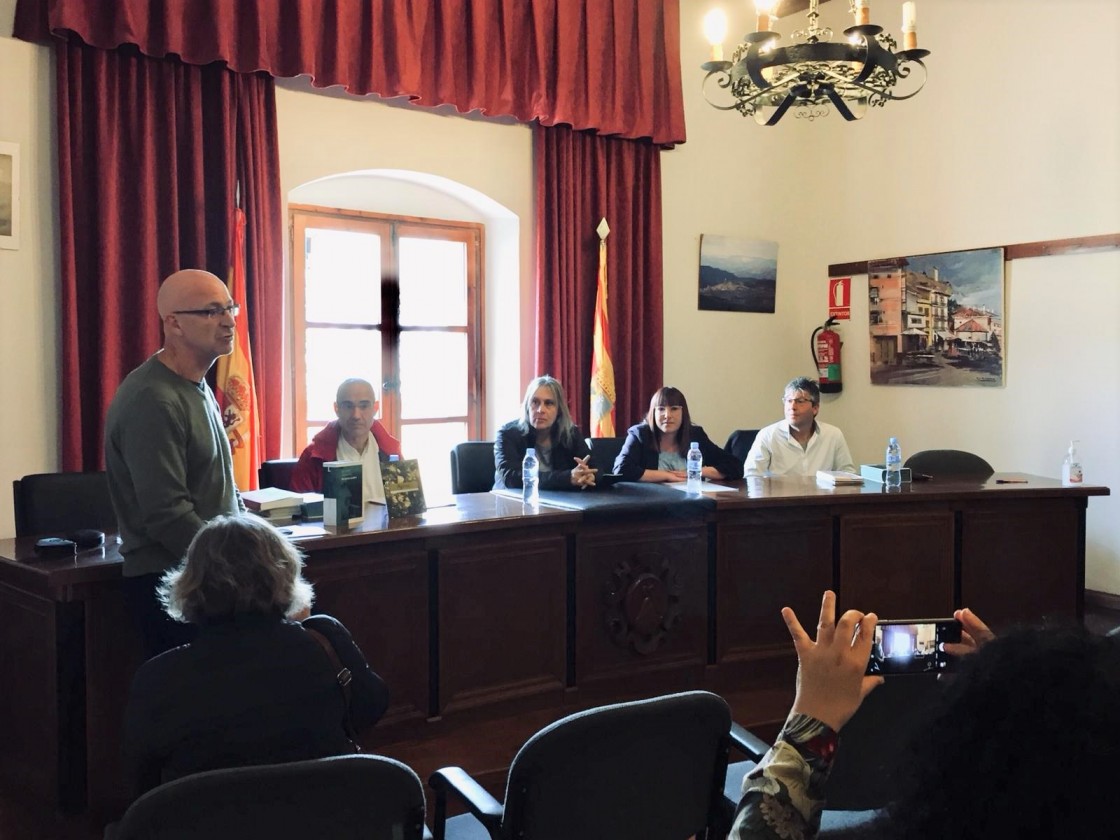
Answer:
[(639, 453), (509, 451), (255, 690)]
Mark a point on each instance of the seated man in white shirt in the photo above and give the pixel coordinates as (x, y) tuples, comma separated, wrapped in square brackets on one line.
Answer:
[(354, 436), (799, 445)]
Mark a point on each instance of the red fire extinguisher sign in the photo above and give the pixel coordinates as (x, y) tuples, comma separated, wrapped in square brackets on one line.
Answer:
[(840, 298)]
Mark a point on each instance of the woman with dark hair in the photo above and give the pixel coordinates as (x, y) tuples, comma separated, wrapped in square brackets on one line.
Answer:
[(546, 425), (1025, 742), (656, 449), (257, 685)]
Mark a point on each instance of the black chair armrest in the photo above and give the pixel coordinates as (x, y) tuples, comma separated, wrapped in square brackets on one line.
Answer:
[(748, 743), (479, 802)]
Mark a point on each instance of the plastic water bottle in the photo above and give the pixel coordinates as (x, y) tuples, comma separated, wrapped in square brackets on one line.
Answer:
[(695, 465), (531, 479), (1071, 467), (894, 463)]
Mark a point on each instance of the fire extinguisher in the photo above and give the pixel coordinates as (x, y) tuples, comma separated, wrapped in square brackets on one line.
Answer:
[(825, 346)]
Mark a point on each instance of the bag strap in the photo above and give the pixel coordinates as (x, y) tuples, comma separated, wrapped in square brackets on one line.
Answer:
[(344, 678)]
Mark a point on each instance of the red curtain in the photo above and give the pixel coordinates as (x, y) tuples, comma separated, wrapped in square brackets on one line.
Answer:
[(149, 155), (581, 178), (611, 65)]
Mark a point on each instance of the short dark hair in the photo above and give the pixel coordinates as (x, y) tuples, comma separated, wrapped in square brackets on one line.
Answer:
[(236, 565), (1030, 713), (668, 395), (809, 386)]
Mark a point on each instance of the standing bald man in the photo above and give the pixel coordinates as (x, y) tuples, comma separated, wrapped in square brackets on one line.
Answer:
[(166, 452)]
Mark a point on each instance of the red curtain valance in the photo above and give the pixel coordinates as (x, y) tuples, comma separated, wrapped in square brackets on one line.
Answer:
[(608, 65)]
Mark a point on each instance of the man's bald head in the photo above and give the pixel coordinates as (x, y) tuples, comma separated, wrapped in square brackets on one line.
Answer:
[(354, 386), (190, 288)]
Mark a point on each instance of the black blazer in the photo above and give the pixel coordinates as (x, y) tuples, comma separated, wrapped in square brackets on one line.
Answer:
[(509, 451), (639, 453), (255, 690)]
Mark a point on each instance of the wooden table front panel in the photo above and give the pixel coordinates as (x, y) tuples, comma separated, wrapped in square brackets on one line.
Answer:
[(502, 612), (380, 592), (641, 603), (897, 563), (764, 562), (1019, 560)]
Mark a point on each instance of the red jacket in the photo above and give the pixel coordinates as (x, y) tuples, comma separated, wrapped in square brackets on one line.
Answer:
[(307, 475)]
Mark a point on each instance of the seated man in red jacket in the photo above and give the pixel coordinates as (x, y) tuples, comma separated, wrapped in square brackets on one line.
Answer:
[(354, 436)]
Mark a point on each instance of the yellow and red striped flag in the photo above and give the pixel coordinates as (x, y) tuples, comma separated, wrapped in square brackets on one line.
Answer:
[(602, 370), (237, 393)]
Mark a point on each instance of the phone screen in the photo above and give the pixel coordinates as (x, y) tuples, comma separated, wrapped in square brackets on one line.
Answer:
[(913, 647)]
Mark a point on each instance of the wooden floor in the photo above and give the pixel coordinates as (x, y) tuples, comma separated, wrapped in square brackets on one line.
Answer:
[(484, 749)]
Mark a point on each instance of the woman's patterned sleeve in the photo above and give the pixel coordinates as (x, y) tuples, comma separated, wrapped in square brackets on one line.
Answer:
[(784, 795)]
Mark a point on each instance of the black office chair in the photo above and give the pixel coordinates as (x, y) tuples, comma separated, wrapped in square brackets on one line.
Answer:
[(604, 452), (277, 473), (472, 466), (58, 503), (644, 770), (739, 443), (352, 796), (947, 462), (874, 745)]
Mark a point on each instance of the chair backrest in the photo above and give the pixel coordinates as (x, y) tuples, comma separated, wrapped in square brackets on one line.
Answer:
[(351, 796), (739, 443), (647, 769), (277, 473), (472, 466), (604, 452), (948, 462), (62, 502)]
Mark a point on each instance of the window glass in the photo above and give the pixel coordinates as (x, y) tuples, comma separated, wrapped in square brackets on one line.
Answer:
[(431, 443), (433, 375), (342, 277), (433, 282), (334, 355)]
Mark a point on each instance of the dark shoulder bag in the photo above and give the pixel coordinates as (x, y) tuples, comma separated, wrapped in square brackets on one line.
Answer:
[(343, 678)]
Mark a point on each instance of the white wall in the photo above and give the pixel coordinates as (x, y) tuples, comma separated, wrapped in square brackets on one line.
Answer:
[(29, 337), (999, 148)]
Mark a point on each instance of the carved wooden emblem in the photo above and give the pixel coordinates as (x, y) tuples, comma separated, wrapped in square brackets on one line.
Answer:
[(643, 602)]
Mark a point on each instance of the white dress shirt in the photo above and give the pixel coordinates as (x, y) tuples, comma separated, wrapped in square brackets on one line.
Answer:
[(776, 452)]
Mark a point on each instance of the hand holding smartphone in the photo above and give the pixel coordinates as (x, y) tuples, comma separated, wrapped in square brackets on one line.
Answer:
[(906, 646)]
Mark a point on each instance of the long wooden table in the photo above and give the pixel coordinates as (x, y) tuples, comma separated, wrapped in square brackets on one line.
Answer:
[(482, 609)]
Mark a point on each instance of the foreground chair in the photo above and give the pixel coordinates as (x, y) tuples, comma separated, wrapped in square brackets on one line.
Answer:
[(472, 466), (62, 502), (873, 745), (353, 796), (739, 443), (936, 462), (644, 770)]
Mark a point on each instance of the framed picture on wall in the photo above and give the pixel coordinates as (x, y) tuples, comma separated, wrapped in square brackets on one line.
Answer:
[(937, 319), (736, 274), (9, 196)]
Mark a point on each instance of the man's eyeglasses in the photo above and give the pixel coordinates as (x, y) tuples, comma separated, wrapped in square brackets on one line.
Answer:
[(796, 400), (233, 309)]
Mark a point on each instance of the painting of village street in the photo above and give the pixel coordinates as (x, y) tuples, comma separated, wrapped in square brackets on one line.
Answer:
[(737, 275), (937, 319)]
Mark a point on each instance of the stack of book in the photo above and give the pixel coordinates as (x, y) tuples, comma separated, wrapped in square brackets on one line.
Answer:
[(280, 507), (838, 478)]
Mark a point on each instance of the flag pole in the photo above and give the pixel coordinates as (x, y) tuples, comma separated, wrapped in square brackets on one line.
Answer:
[(602, 369)]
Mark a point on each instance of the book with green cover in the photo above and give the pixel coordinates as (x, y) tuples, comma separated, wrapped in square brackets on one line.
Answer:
[(404, 494), (342, 494)]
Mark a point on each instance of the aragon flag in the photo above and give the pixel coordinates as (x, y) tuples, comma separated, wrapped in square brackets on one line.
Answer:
[(602, 370), (237, 394)]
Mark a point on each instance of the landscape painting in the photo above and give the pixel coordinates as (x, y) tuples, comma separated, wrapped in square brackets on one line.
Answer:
[(937, 319), (737, 275), (9, 195)]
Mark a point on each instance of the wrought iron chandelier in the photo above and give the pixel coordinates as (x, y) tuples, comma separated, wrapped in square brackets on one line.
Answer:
[(814, 72)]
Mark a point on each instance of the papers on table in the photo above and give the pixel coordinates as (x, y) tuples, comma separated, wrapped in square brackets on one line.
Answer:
[(705, 487), (838, 478)]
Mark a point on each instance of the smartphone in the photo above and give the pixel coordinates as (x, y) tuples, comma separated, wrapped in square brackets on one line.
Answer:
[(913, 647)]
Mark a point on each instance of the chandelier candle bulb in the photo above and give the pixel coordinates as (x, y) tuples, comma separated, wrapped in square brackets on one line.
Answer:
[(765, 8), (715, 30), (863, 12), (910, 25)]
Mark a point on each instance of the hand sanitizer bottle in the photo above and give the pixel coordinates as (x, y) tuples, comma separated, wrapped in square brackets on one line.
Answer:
[(1071, 467)]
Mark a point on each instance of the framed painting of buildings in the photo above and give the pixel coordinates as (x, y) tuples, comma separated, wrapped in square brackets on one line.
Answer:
[(937, 319), (737, 275), (9, 196)]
